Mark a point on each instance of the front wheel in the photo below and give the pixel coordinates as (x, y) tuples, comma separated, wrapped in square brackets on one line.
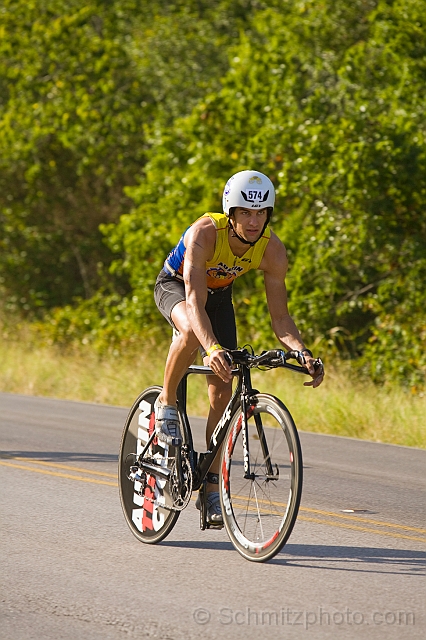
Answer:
[(147, 509), (261, 483)]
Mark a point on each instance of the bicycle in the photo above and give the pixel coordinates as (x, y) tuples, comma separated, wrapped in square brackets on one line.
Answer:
[(261, 463)]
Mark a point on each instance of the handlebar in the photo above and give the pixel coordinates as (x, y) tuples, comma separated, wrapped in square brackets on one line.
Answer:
[(273, 358)]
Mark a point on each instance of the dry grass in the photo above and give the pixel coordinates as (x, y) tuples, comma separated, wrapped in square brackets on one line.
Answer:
[(46, 371), (349, 407), (341, 406)]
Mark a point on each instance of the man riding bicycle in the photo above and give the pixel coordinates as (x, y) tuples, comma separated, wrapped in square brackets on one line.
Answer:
[(194, 293)]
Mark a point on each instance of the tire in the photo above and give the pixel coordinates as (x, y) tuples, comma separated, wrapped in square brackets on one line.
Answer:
[(259, 513), (148, 521)]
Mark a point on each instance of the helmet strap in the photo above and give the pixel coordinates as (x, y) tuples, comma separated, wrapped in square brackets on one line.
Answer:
[(240, 238)]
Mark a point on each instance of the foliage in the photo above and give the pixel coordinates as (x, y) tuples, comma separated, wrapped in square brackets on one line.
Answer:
[(326, 98), (329, 103), (69, 114), (84, 87)]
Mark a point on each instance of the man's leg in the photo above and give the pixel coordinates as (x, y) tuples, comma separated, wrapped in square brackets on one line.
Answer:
[(219, 395), (181, 354), (221, 313)]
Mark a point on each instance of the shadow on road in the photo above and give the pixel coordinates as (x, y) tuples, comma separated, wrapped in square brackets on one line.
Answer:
[(359, 559), (364, 559), (199, 544)]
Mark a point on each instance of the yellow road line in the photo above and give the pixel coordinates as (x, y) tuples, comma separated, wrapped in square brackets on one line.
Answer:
[(345, 525), (342, 525), (338, 515), (57, 474), (367, 520), (329, 514), (262, 500), (58, 465)]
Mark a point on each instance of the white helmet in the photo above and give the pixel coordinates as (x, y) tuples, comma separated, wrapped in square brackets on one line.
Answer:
[(249, 189)]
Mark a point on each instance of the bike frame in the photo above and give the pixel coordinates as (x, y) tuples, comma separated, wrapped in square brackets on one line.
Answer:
[(201, 462)]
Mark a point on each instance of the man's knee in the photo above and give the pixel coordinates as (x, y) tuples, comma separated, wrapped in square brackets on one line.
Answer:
[(187, 339), (185, 334)]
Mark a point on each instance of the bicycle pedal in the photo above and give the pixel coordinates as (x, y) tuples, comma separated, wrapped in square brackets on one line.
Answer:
[(211, 525), (170, 440)]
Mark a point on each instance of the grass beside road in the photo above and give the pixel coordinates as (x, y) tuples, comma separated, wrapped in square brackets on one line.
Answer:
[(343, 405)]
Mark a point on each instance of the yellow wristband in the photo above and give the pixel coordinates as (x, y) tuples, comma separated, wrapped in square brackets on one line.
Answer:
[(215, 347)]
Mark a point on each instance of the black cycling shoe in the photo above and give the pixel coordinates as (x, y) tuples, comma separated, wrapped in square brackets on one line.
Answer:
[(214, 512)]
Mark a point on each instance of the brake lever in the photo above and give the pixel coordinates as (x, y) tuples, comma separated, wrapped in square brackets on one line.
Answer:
[(295, 355), (318, 364), (228, 358)]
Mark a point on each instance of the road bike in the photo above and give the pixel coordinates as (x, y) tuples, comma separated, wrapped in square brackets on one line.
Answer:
[(260, 483)]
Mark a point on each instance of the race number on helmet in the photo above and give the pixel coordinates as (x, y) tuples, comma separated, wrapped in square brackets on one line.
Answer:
[(249, 189)]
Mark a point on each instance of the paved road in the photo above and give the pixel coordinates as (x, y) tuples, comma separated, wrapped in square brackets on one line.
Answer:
[(71, 568)]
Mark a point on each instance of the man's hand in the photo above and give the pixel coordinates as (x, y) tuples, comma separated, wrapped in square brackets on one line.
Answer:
[(316, 370), (220, 366)]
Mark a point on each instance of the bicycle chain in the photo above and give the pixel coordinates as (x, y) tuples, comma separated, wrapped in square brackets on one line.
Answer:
[(179, 506), (176, 504)]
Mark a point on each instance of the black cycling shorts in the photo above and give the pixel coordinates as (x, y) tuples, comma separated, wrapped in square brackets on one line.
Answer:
[(169, 291)]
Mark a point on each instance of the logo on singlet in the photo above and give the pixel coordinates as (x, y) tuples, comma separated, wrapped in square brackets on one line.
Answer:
[(223, 272)]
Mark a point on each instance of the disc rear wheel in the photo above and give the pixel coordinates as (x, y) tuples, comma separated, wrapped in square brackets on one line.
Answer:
[(147, 505)]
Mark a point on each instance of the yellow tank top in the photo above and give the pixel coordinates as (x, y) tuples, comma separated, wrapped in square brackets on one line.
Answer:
[(224, 267)]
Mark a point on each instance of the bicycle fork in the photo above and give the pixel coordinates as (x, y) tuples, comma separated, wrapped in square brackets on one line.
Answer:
[(247, 405)]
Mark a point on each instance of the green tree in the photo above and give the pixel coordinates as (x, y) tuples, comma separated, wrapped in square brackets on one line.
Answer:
[(70, 137), (329, 101), (85, 88)]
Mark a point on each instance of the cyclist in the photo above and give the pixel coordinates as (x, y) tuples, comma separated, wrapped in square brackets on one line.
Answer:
[(194, 293)]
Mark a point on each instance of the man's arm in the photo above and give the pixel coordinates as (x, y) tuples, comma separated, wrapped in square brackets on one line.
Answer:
[(200, 243), (275, 265)]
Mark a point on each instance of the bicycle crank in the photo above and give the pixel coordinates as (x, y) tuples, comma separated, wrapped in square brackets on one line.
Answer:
[(180, 484)]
